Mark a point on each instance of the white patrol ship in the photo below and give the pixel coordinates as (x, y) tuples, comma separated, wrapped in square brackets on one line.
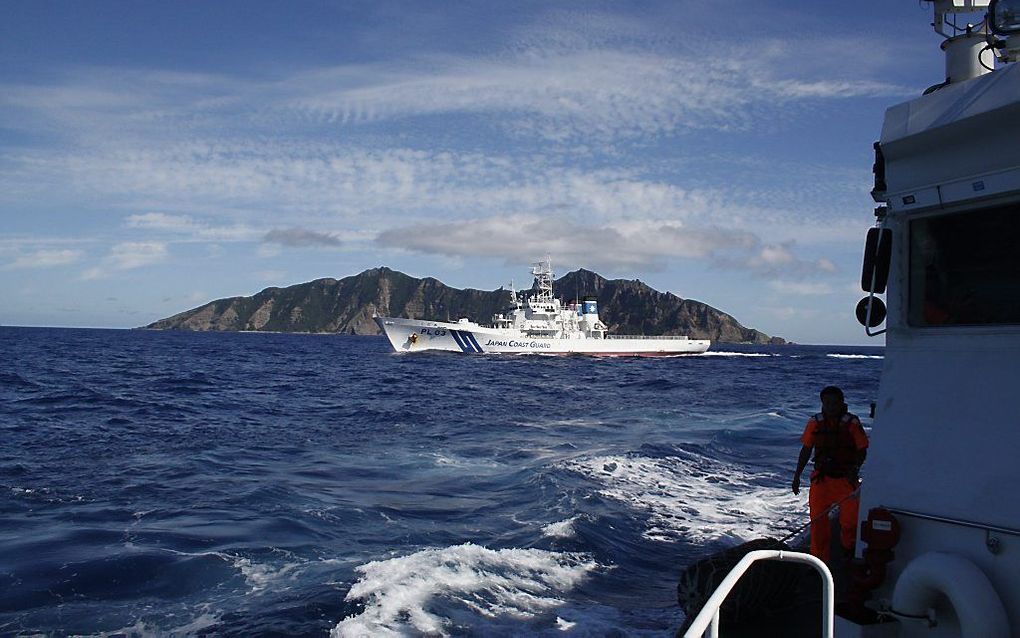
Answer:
[(539, 324)]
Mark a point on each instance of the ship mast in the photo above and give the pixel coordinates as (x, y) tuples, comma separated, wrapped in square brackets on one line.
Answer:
[(543, 280)]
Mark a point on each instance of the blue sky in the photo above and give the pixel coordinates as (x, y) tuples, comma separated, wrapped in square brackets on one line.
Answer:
[(158, 155)]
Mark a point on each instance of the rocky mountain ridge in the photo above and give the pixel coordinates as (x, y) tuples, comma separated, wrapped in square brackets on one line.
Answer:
[(347, 306)]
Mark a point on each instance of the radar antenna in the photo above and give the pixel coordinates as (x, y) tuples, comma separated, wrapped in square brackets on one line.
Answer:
[(543, 280)]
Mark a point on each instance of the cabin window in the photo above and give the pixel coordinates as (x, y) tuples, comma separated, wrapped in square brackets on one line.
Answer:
[(965, 268)]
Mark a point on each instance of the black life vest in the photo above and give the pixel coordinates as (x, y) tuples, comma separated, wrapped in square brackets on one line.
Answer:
[(836, 453)]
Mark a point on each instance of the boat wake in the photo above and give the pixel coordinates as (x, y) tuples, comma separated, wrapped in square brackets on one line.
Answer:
[(461, 588), (695, 499)]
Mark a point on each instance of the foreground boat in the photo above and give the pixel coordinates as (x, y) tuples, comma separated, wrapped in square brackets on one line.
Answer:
[(938, 551), (539, 324)]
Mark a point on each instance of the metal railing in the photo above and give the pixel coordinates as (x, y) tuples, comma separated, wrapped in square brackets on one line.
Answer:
[(708, 618), (992, 542), (956, 521), (644, 337)]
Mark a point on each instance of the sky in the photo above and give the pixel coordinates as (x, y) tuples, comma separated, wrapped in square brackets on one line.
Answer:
[(155, 156)]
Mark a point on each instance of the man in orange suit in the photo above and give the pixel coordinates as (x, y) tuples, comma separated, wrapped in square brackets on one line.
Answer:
[(840, 445)]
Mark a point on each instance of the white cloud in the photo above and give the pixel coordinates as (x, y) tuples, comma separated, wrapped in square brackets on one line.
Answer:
[(209, 147), (162, 221), (350, 153), (267, 251), (320, 183), (645, 243), (453, 204), (300, 237), (773, 256), (186, 225), (801, 288), (551, 83), (45, 258), (128, 256), (271, 276), (853, 288), (783, 313), (600, 93), (826, 265)]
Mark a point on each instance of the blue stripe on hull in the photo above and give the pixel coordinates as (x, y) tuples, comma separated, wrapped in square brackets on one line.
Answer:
[(461, 341), (474, 342)]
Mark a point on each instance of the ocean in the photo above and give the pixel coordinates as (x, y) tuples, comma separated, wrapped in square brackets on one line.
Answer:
[(237, 484)]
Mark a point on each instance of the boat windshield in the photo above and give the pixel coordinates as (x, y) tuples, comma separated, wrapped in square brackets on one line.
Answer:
[(965, 268)]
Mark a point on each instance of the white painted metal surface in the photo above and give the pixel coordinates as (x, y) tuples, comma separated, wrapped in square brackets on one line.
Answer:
[(945, 435), (943, 454)]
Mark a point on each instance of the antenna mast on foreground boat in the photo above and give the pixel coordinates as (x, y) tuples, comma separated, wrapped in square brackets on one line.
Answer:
[(969, 44)]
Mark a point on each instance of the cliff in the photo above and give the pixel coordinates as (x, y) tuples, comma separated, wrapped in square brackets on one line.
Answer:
[(631, 307), (347, 306)]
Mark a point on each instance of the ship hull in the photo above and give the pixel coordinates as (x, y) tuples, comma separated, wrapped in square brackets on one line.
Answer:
[(413, 335)]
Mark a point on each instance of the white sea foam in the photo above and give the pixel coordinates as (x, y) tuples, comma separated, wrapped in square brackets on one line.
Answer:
[(141, 629), (695, 498), (462, 462), (855, 356), (410, 594), (603, 620), (562, 529), (715, 353), (258, 576), (44, 494)]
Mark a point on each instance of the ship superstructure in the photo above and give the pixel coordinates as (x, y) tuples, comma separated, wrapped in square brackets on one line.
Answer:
[(938, 551), (539, 324), (943, 458)]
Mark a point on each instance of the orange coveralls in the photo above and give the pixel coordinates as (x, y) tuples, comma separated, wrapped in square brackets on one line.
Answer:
[(826, 490)]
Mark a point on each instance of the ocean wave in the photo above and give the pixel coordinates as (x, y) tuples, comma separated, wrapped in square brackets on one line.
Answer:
[(695, 499), (560, 529), (15, 380), (436, 591), (194, 383), (258, 576), (286, 461), (654, 385), (855, 356), (143, 629), (42, 495), (723, 353)]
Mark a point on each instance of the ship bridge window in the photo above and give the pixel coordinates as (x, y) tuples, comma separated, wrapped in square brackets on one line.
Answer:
[(965, 268)]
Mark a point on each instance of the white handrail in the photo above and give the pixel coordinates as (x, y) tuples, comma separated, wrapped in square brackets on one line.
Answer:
[(709, 614), (673, 338)]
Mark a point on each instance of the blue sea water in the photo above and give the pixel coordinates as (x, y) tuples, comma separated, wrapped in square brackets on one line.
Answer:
[(156, 483)]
